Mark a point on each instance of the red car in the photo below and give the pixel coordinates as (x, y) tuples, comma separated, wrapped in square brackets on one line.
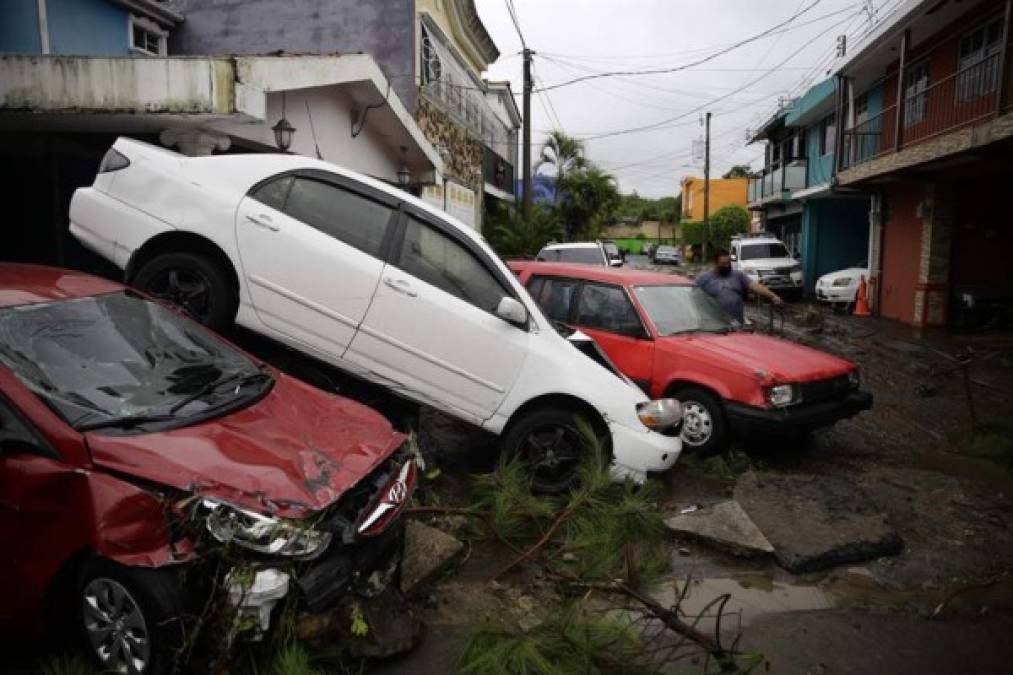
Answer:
[(136, 446), (673, 340)]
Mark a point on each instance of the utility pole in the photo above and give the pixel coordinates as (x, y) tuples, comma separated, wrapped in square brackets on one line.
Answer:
[(527, 133), (706, 187)]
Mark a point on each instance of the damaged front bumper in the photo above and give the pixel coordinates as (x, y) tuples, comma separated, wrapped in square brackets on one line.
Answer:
[(361, 561), (746, 420)]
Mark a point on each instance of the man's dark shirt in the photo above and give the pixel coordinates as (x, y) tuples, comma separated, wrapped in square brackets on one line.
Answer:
[(729, 291)]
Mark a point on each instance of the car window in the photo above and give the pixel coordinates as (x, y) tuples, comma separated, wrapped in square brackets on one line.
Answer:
[(757, 251), (609, 309), (554, 296), (535, 286), (274, 193), (344, 215), (117, 355), (435, 258), (12, 428)]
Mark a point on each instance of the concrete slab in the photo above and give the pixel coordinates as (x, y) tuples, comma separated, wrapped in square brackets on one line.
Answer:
[(815, 522), (724, 525), (427, 552)]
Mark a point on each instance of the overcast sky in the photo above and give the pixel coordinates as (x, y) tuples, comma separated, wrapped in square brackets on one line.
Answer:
[(574, 38)]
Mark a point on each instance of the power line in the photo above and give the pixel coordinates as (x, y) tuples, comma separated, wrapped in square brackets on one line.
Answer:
[(666, 122), (512, 11), (696, 50), (711, 57)]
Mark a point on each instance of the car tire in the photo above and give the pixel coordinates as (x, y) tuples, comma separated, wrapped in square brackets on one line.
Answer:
[(548, 442), (193, 282), (704, 427), (130, 612)]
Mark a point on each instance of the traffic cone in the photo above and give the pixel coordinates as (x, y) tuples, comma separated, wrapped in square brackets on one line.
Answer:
[(862, 299)]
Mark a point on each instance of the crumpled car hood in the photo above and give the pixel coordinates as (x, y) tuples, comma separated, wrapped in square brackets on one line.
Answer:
[(295, 451), (780, 359)]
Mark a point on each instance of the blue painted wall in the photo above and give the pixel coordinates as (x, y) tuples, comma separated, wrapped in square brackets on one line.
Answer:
[(19, 27), (821, 167), (87, 27), (835, 235)]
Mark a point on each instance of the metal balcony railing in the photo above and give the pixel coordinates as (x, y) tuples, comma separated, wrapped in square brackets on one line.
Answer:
[(794, 176), (966, 96)]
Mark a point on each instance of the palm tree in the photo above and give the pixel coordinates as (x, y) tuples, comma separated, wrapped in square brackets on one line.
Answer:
[(517, 235), (563, 153)]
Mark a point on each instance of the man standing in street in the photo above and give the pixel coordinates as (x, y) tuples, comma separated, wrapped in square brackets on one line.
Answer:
[(729, 286)]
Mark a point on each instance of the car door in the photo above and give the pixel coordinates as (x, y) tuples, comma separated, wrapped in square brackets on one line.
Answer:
[(312, 246), (605, 312), (37, 502), (432, 329)]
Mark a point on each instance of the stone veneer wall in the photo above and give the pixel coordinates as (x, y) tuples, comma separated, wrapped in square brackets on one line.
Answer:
[(462, 154)]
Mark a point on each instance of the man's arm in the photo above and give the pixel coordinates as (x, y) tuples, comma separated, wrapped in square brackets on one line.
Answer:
[(764, 292)]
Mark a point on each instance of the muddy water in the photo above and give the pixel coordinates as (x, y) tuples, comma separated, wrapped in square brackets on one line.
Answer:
[(750, 597)]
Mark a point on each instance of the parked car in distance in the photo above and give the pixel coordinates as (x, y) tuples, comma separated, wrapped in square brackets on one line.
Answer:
[(675, 341), (577, 252), (840, 288), (372, 280), (764, 258), (667, 255), (616, 257), (134, 442)]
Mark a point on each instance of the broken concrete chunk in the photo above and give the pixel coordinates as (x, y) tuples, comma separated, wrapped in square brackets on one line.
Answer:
[(815, 522), (427, 552), (724, 525)]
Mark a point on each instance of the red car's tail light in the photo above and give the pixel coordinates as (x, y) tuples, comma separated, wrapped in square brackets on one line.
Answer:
[(393, 497)]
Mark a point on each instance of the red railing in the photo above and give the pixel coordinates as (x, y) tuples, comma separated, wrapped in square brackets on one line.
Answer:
[(958, 99)]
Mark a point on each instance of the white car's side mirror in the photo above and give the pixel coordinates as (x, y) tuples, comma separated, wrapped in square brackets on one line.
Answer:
[(733, 257), (512, 310)]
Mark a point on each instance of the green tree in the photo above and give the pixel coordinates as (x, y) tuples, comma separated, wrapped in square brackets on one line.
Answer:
[(589, 199), (510, 234), (738, 171), (729, 220)]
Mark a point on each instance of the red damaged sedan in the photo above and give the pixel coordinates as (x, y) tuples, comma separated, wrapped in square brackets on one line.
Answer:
[(135, 444), (673, 340)]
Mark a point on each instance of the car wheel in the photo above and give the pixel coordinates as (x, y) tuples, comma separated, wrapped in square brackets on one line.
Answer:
[(549, 444), (196, 284), (132, 618), (704, 429)]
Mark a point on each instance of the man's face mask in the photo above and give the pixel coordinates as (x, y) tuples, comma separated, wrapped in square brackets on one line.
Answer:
[(724, 268)]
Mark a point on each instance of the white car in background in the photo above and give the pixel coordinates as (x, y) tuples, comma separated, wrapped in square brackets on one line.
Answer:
[(362, 275), (764, 258), (840, 288), (577, 252)]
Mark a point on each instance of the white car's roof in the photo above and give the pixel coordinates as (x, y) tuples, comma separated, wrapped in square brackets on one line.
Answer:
[(577, 244), (241, 171)]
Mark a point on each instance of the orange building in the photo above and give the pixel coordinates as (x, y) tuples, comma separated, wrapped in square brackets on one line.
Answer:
[(723, 191)]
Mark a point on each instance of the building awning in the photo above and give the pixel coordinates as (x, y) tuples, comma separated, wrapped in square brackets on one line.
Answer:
[(225, 94)]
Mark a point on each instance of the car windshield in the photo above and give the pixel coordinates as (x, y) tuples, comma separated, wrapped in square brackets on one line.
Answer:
[(118, 360), (611, 249), (587, 256), (665, 249), (683, 309), (768, 250)]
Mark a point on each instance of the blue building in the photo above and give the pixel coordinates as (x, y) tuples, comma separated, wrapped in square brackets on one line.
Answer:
[(796, 193), (86, 27)]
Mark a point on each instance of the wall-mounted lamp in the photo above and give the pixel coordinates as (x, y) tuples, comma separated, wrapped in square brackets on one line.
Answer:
[(283, 129)]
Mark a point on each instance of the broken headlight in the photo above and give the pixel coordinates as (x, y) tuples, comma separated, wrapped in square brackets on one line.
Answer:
[(660, 414), (781, 395), (264, 534)]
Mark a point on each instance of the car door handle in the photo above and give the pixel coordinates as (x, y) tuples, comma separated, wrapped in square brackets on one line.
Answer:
[(400, 285), (263, 221)]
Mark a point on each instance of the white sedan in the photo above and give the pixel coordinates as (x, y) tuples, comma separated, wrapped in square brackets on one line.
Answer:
[(360, 274), (841, 287)]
